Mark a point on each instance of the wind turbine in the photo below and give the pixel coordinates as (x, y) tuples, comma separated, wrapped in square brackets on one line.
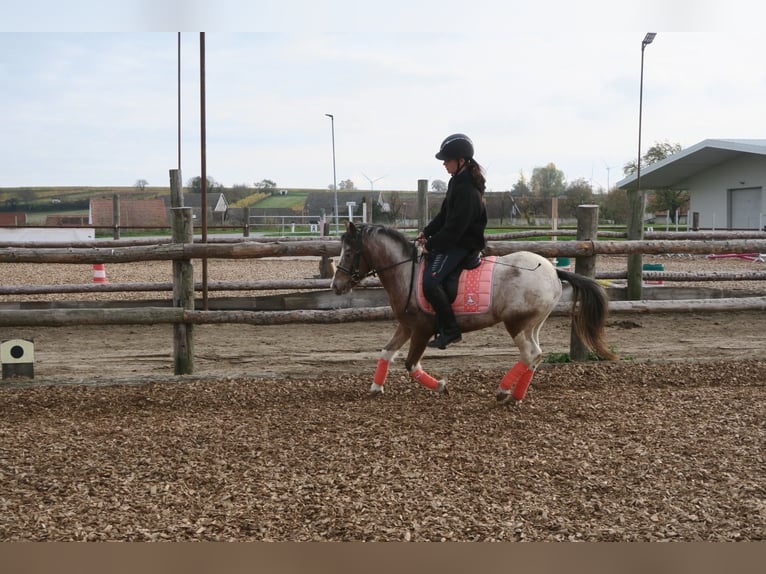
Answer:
[(372, 190), (372, 181)]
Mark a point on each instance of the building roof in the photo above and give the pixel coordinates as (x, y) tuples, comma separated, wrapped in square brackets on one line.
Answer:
[(213, 199), (13, 218), (133, 213), (680, 166)]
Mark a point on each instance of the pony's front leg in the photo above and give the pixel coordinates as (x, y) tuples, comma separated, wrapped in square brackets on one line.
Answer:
[(417, 348), (399, 338)]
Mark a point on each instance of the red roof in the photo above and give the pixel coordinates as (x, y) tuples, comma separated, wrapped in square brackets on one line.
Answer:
[(133, 213), (13, 218)]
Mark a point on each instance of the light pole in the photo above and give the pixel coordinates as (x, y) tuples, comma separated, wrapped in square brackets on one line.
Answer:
[(635, 199), (334, 178)]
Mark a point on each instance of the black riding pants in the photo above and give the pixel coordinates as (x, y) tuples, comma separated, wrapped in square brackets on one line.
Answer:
[(439, 267)]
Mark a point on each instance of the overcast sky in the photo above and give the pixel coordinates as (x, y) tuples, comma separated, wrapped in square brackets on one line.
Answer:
[(551, 82)]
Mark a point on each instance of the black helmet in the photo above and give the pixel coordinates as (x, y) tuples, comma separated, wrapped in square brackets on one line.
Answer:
[(456, 146)]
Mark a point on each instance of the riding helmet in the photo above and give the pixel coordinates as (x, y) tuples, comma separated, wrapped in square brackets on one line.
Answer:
[(456, 146)]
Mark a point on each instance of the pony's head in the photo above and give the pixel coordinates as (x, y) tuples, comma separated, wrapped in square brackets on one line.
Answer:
[(352, 266)]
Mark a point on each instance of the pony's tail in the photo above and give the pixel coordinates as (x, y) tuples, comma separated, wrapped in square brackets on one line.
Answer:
[(590, 308)]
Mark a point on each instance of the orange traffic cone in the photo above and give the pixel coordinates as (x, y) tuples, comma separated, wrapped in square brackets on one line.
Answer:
[(99, 273)]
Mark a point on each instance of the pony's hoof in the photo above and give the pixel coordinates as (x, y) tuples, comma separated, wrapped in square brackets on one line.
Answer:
[(375, 390), (505, 399), (442, 388)]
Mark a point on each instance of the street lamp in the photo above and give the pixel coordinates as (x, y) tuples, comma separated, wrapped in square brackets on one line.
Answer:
[(635, 199), (334, 178)]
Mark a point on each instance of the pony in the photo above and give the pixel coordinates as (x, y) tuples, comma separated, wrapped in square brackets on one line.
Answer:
[(525, 288)]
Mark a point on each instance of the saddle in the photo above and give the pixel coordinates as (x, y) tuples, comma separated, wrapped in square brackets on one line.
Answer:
[(469, 288)]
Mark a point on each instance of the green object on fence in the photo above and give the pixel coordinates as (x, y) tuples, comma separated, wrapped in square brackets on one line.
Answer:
[(653, 267), (563, 262)]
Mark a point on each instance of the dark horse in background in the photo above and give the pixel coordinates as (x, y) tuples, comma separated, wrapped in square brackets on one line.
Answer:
[(525, 288)]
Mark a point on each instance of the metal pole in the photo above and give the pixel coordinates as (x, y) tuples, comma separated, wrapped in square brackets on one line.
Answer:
[(179, 108), (636, 200), (334, 178), (203, 147)]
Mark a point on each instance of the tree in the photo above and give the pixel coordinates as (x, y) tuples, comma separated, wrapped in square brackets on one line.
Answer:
[(658, 152), (346, 184), (395, 207), (140, 184), (521, 187), (614, 206), (578, 192), (438, 186), (547, 181), (266, 184), (668, 200), (195, 184)]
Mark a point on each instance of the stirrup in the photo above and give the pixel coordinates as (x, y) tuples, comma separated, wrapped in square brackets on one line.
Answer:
[(442, 340)]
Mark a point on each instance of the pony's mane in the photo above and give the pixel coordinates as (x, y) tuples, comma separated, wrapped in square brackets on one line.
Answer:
[(371, 229)]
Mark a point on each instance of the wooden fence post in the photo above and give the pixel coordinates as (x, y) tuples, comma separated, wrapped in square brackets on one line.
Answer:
[(116, 216), (176, 189), (183, 293), (246, 216), (422, 203), (587, 230)]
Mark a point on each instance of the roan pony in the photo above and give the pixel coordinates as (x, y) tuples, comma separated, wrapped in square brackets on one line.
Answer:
[(524, 287)]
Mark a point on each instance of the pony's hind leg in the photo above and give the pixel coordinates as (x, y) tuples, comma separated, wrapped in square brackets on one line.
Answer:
[(514, 385), (397, 340)]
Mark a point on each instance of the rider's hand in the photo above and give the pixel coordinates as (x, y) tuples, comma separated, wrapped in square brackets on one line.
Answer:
[(421, 240)]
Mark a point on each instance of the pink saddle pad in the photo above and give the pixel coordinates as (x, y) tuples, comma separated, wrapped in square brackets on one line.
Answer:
[(474, 292)]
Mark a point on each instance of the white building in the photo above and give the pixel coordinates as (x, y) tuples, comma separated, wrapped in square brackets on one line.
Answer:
[(726, 181)]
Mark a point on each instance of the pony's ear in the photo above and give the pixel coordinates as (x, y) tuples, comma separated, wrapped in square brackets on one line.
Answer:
[(350, 228)]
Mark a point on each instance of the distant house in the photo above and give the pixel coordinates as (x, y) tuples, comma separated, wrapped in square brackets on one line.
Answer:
[(725, 178), (137, 213), (216, 204), (66, 220), (13, 218)]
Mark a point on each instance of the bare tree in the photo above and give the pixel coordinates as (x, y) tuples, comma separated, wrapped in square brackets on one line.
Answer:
[(438, 186)]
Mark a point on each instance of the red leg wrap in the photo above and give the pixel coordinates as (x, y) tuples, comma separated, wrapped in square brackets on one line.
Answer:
[(520, 390), (381, 372), (425, 379), (510, 378)]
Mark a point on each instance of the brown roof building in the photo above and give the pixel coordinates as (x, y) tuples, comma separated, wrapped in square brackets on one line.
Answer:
[(133, 213), (13, 218)]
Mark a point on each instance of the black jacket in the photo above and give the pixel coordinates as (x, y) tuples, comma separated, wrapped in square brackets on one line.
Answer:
[(462, 219)]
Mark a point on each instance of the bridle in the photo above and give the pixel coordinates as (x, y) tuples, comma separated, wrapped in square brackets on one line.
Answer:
[(356, 275)]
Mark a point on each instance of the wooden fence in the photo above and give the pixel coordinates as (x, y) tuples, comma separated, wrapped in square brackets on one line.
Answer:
[(182, 251)]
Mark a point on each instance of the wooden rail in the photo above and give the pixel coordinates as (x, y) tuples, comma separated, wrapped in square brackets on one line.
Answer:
[(171, 315), (183, 315), (254, 250)]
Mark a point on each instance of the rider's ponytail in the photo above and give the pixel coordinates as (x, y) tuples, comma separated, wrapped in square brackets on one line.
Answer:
[(477, 172)]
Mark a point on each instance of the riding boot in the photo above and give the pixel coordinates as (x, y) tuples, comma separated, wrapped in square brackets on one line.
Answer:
[(449, 332)]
